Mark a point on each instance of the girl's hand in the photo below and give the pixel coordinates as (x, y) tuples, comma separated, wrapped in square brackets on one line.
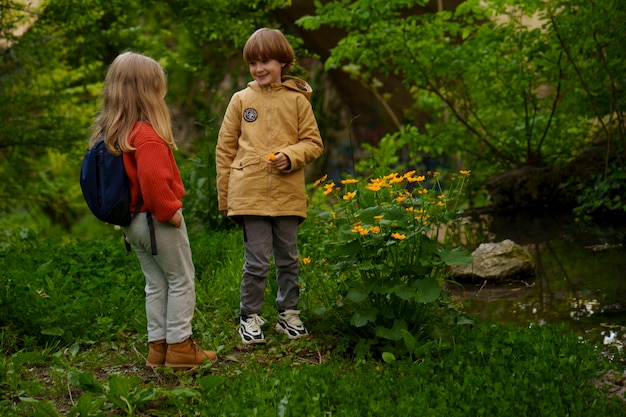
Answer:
[(176, 220), (279, 161)]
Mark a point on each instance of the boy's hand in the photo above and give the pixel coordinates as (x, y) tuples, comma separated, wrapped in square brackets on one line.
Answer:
[(279, 161)]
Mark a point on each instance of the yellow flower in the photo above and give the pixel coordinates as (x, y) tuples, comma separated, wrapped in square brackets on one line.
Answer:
[(373, 187), (328, 188), (349, 196), (374, 229), (400, 199), (318, 182), (422, 191), (349, 181), (465, 172), (396, 180), (441, 204), (356, 227), (271, 156), (410, 209), (306, 260), (398, 236), (378, 217)]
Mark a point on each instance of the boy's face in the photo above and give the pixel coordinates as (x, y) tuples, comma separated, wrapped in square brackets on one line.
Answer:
[(266, 72)]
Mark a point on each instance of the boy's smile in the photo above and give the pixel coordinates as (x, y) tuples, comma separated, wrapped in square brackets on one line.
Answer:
[(266, 72)]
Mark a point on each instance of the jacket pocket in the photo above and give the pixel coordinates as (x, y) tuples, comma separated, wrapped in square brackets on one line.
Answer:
[(244, 162)]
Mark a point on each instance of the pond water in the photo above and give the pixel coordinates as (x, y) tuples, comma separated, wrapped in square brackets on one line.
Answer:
[(580, 278)]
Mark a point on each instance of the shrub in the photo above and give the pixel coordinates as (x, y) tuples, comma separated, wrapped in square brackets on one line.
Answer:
[(51, 290), (384, 251)]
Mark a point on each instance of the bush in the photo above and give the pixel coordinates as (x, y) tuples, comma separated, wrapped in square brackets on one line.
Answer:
[(53, 290), (384, 252)]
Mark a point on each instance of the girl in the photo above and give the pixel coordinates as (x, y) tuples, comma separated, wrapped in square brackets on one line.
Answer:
[(135, 122)]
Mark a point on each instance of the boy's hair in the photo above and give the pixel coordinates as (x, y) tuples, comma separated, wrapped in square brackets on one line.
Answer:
[(134, 89), (266, 44)]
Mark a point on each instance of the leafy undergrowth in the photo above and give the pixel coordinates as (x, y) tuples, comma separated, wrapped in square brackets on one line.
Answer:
[(72, 333), (490, 370)]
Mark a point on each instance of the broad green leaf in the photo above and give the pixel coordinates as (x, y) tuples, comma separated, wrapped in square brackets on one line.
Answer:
[(455, 256), (389, 357), (361, 318), (357, 295), (409, 340), (428, 290)]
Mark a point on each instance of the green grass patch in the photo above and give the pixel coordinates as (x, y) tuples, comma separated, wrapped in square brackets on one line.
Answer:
[(72, 332)]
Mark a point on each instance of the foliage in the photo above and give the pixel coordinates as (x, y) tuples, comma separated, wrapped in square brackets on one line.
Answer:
[(384, 244), (499, 92), (529, 371), (68, 291), (600, 195), (99, 371), (53, 57)]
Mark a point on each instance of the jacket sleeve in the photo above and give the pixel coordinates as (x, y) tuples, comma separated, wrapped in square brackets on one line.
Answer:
[(226, 149), (309, 146)]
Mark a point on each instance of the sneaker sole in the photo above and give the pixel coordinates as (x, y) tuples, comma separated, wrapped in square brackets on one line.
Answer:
[(251, 342), (280, 329)]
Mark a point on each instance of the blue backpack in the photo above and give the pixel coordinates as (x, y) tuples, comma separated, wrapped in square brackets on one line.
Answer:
[(105, 185), (105, 188)]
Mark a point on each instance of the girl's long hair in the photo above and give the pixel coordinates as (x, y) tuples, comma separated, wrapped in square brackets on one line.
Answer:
[(134, 89)]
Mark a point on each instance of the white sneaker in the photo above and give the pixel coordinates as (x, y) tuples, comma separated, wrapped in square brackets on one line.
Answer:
[(250, 329), (290, 324)]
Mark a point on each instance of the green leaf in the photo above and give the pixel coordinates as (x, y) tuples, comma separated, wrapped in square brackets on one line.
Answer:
[(455, 256), (45, 409), (428, 290), (211, 382), (409, 340), (389, 357), (85, 381), (395, 333), (404, 293), (361, 318), (357, 295)]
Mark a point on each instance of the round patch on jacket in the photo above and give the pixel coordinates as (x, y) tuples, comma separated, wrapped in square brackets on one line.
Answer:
[(250, 115)]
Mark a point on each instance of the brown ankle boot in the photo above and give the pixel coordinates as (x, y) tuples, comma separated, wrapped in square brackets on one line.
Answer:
[(187, 355), (156, 353)]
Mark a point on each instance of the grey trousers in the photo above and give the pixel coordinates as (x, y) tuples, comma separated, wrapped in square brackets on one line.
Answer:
[(262, 237), (170, 287)]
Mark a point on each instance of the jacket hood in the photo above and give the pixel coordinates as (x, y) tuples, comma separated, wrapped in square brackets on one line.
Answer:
[(292, 83)]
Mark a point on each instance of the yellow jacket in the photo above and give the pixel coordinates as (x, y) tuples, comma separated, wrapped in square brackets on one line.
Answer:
[(258, 122)]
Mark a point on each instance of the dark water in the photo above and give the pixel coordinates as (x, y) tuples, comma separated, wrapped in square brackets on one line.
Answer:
[(580, 280)]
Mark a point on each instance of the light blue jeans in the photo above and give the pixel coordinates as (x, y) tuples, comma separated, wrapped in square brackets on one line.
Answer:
[(170, 287), (264, 236)]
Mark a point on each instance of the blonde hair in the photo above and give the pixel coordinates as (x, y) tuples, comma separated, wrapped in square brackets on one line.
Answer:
[(265, 44), (134, 89)]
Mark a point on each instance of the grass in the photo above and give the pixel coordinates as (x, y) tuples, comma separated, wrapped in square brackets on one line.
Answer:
[(73, 341)]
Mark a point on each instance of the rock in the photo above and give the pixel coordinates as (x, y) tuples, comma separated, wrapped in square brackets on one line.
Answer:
[(497, 262)]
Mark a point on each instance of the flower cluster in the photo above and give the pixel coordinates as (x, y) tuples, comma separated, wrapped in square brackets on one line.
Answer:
[(383, 243), (396, 206)]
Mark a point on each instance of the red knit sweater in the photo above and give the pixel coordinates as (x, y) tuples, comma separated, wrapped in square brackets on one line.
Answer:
[(153, 173)]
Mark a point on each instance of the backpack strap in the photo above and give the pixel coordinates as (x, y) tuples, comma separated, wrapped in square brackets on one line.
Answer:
[(153, 245), (152, 237)]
